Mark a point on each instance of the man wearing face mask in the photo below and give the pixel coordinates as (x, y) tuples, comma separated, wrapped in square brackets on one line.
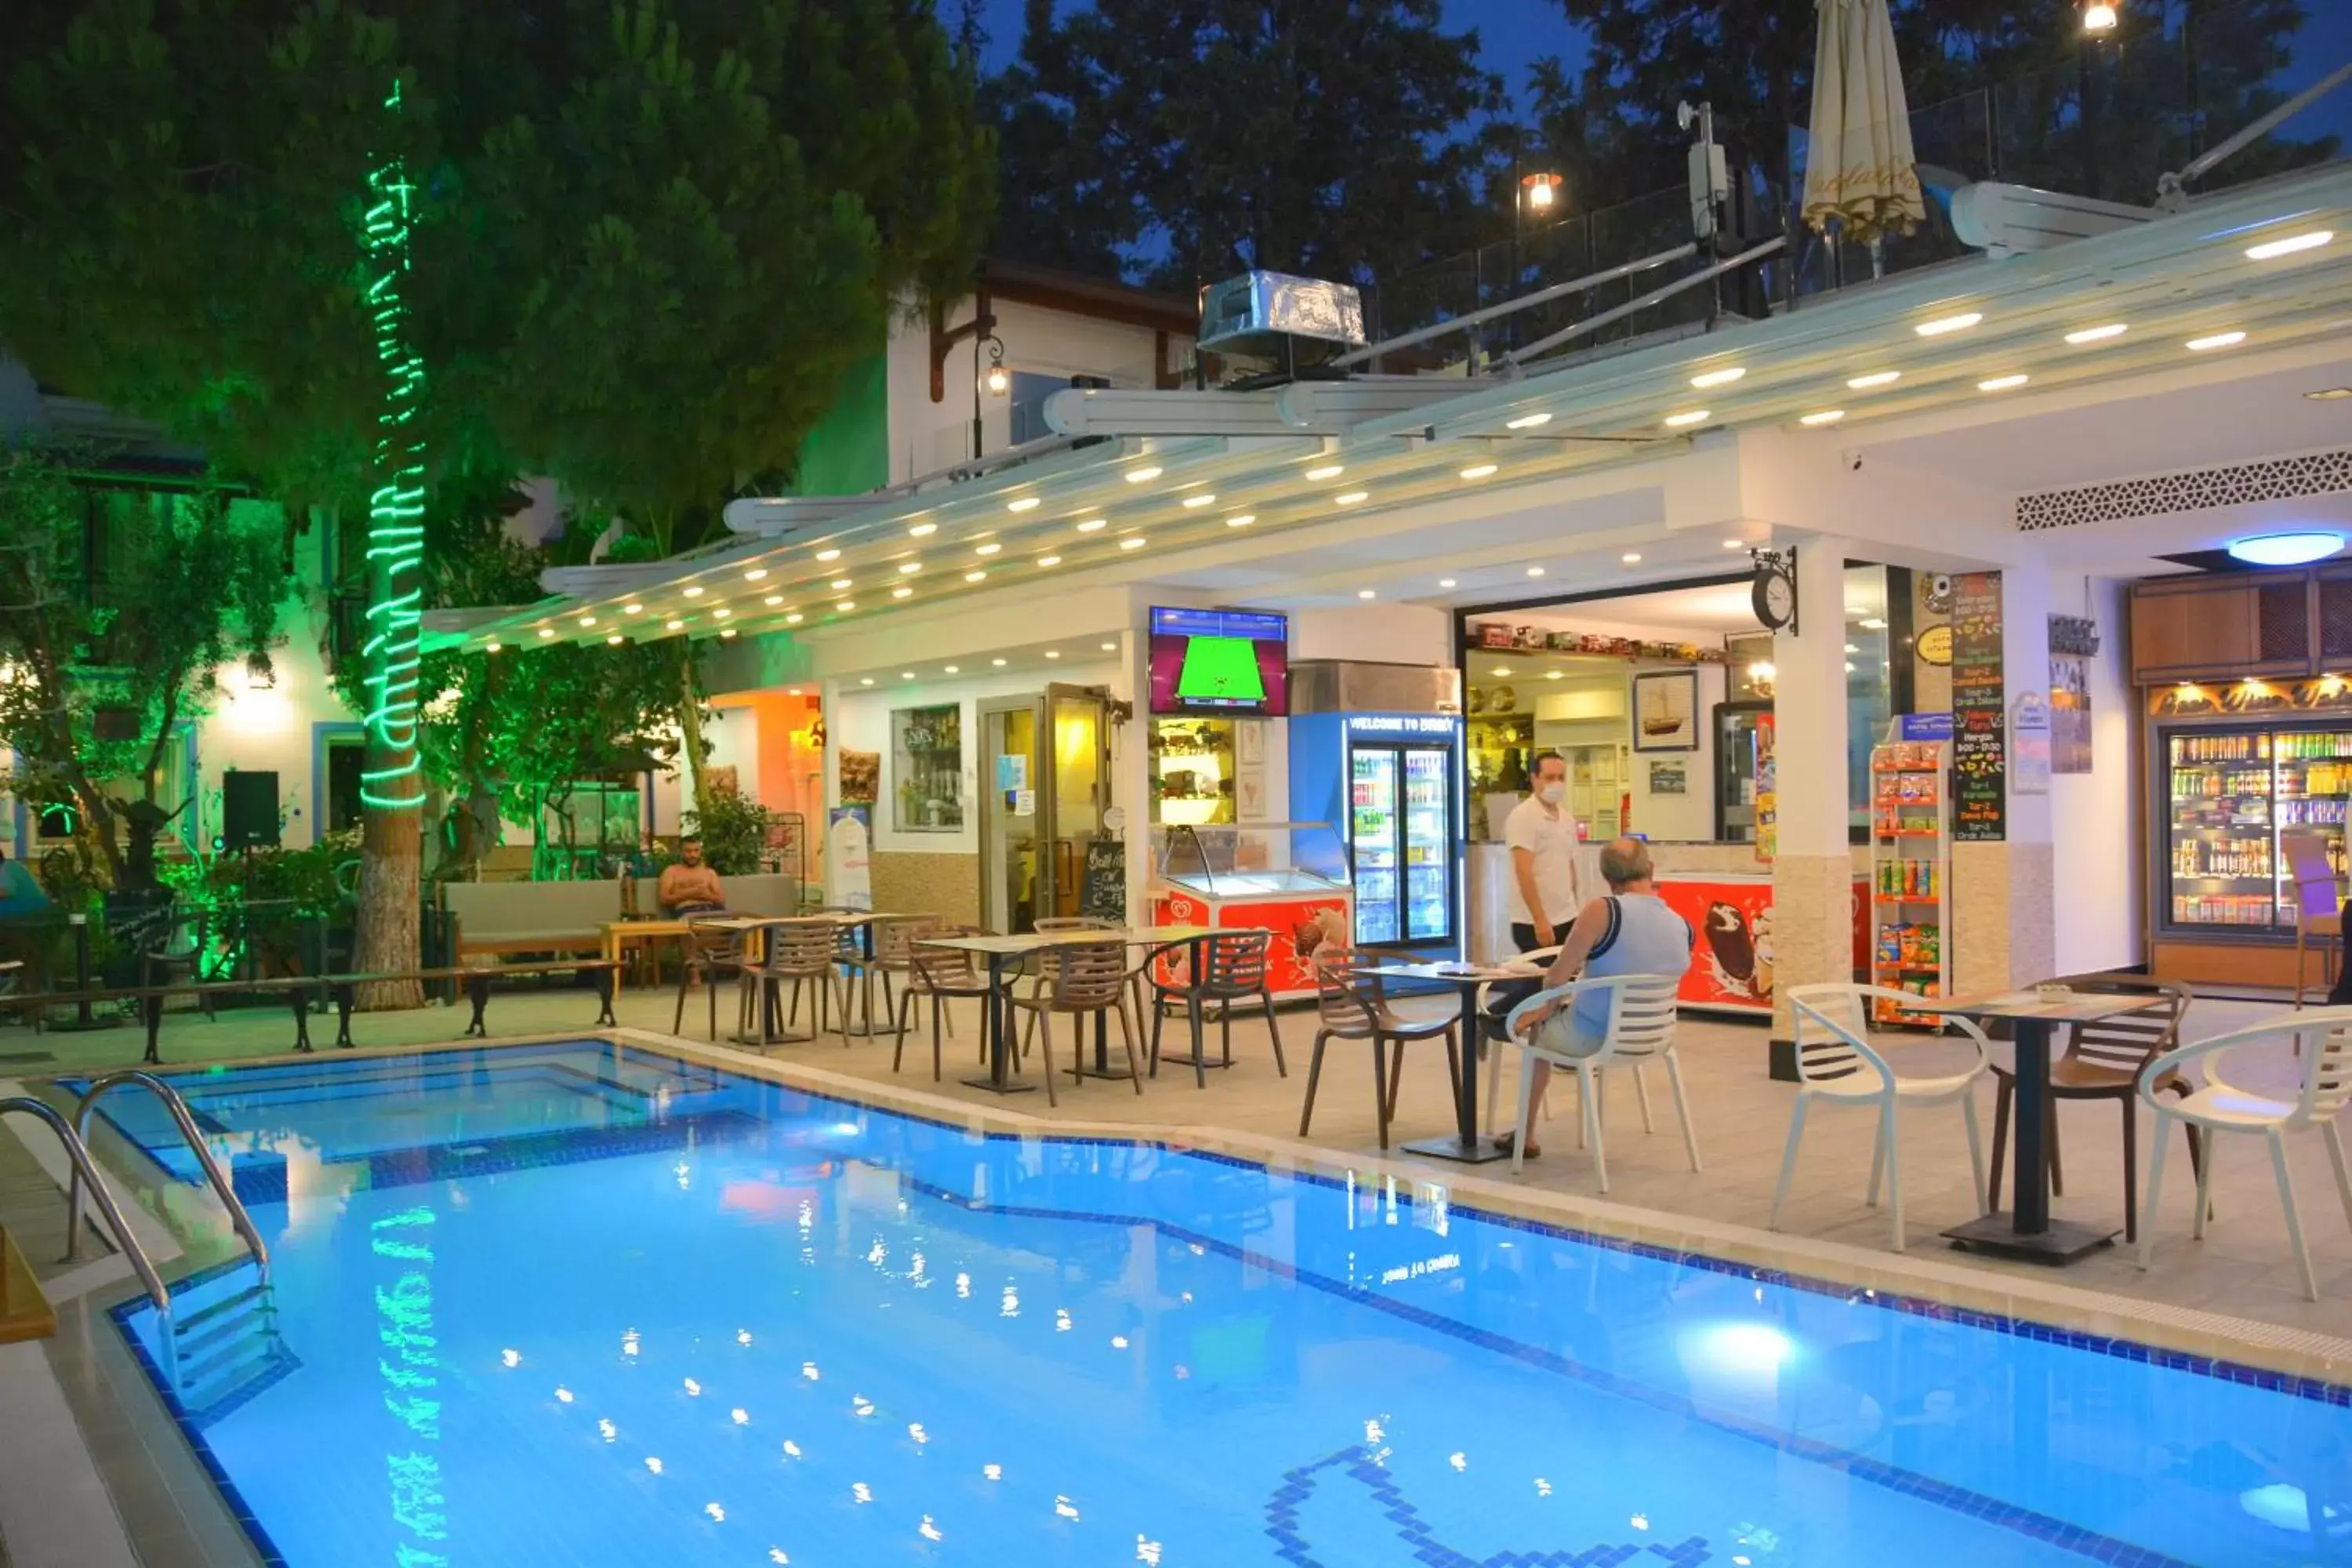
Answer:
[(1541, 833)]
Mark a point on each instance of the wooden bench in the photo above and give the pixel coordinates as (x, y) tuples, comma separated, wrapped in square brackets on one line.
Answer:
[(302, 991), (500, 917)]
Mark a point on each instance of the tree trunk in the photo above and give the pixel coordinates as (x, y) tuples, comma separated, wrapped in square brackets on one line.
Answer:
[(390, 853), (689, 725)]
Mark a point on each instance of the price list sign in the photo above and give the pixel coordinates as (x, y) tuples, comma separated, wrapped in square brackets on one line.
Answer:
[(1979, 745)]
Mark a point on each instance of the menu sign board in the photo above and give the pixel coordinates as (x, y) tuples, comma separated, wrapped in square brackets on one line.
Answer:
[(1979, 727)]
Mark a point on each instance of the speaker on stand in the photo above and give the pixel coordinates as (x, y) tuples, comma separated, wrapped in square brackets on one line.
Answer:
[(249, 809)]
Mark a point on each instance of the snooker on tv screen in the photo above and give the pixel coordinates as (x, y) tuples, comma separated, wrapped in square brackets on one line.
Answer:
[(1220, 664)]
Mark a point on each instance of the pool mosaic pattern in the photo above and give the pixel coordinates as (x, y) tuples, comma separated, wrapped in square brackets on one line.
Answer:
[(587, 1304)]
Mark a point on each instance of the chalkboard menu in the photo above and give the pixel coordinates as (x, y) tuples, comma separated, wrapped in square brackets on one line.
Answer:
[(1980, 755), (1102, 890)]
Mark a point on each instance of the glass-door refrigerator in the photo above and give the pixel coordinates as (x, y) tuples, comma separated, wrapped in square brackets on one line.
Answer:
[(1393, 780), (1736, 728), (2226, 794)]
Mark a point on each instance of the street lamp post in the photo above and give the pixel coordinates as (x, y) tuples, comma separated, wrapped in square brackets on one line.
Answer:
[(1538, 193)]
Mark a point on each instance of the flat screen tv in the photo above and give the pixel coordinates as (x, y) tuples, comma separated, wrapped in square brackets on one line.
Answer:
[(1220, 664)]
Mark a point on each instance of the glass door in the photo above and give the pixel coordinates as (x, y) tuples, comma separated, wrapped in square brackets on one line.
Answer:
[(1735, 769), (1077, 791), (2311, 776), (1009, 816), (1372, 841), (2218, 815), (1428, 844)]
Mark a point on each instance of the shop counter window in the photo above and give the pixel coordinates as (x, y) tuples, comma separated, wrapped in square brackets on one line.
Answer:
[(927, 769)]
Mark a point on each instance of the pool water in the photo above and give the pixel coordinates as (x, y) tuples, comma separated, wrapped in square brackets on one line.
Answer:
[(585, 1304)]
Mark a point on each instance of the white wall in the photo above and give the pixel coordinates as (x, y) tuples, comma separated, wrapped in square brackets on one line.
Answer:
[(1376, 634), (1687, 817), (2095, 829)]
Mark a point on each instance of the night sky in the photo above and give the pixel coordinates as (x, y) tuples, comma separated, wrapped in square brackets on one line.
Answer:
[(1511, 33)]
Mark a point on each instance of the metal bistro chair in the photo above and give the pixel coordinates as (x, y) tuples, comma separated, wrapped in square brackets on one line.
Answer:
[(1640, 1029), (801, 953), (2102, 1061), (1089, 977), (940, 973), (1837, 1065), (1352, 1007), (2219, 1106), (1234, 968), (712, 951)]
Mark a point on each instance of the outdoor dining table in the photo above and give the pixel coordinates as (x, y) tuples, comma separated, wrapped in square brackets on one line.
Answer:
[(2028, 1231), (860, 920), (996, 949), (1465, 1146)]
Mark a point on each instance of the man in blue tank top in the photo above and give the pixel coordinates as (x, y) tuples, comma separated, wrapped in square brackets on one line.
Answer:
[(1629, 931)]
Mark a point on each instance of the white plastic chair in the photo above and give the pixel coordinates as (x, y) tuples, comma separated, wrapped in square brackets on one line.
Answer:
[(1837, 1065), (2219, 1106), (1640, 1029), (1494, 1049)]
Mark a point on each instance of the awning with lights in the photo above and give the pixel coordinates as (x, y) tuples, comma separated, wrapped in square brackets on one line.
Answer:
[(2262, 266)]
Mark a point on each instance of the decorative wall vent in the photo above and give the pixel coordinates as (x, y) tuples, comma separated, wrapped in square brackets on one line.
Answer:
[(2274, 479)]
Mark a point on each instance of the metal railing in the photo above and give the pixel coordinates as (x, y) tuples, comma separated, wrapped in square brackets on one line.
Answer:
[(78, 1155), (193, 1135)]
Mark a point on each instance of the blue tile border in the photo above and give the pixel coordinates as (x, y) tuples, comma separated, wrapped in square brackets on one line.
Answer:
[(433, 1161)]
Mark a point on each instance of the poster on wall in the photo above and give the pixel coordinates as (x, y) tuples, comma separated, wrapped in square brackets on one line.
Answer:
[(1980, 711), (861, 777), (2029, 744), (2074, 643), (1669, 778), (1665, 710)]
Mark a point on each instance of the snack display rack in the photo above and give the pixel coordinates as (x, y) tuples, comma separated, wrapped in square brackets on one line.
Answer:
[(1911, 881)]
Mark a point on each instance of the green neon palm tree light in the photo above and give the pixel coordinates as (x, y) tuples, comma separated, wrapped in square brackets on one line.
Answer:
[(396, 538)]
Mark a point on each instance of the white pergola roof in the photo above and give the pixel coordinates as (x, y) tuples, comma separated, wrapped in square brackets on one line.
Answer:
[(1173, 475)]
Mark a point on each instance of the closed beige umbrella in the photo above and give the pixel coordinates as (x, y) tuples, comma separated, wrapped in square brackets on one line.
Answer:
[(1858, 167)]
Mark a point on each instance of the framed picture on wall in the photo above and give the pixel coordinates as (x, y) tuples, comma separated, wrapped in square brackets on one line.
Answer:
[(1665, 710)]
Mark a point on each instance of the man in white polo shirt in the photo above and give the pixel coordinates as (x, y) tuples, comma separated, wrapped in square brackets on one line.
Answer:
[(1543, 838)]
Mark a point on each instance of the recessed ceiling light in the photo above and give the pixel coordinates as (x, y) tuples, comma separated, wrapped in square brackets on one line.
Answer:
[(910, 566), (1735, 544), (1094, 525), (693, 590), (674, 625), (2288, 246), (1500, 669), (1446, 582), (839, 582), (1024, 503), (990, 548), (722, 612), (1535, 571), (1052, 653), (2329, 394), (1138, 476), (633, 609), (1826, 416), (1132, 541), (975, 576), (923, 530), (1689, 416), (1368, 592), (773, 600), (843, 605), (1631, 558), (1110, 647), (2001, 383), (2217, 341), (1349, 497), (587, 620), (494, 646), (753, 575), (2285, 549), (1200, 500), (1049, 560), (614, 638), (950, 669), (1241, 519), (728, 633), (828, 555), (906, 675), (1943, 324), (1526, 422), (902, 592), (864, 680), (1555, 675), (794, 619), (1873, 624), (1724, 378), (2096, 334), (1326, 471), (997, 662), (1875, 378), (546, 631), (1477, 470)]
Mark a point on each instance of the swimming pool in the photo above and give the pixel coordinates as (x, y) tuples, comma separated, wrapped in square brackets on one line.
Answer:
[(583, 1303)]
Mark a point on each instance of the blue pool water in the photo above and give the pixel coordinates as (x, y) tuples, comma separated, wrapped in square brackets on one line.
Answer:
[(583, 1304)]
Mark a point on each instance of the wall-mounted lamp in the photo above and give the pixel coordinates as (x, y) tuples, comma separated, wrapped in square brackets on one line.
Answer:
[(997, 380)]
